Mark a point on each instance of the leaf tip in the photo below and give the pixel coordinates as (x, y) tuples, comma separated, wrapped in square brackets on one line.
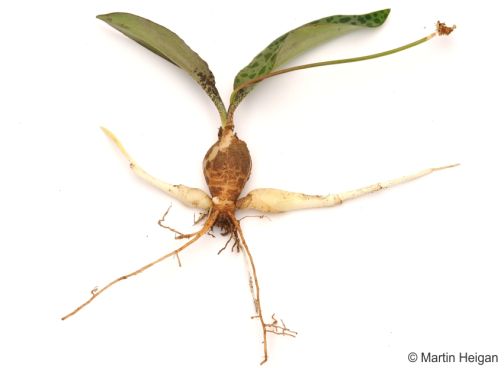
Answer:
[(112, 17), (379, 17), (104, 17)]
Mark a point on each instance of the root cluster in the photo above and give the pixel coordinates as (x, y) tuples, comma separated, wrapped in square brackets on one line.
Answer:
[(230, 226)]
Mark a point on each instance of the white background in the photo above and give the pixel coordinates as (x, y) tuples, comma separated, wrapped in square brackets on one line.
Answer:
[(417, 268)]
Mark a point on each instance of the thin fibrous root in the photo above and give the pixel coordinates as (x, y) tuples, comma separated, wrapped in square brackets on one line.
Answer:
[(179, 235), (252, 291), (163, 219), (254, 216), (236, 243), (96, 292), (257, 298), (275, 328), (202, 215), (225, 245), (277, 200), (178, 259)]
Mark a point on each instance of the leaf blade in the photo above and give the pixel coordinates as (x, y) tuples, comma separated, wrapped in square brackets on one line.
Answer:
[(168, 45), (300, 40)]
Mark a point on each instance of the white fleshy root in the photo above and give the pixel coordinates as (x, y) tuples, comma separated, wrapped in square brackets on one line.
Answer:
[(192, 197), (276, 200)]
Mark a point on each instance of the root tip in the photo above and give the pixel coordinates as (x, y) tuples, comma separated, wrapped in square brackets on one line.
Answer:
[(109, 134), (446, 167)]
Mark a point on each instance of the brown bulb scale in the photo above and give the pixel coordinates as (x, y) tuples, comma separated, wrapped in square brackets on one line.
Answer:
[(227, 166)]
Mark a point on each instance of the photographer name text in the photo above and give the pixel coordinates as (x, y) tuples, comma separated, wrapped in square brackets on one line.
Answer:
[(475, 358)]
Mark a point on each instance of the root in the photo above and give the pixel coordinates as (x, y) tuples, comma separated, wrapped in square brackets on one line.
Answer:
[(255, 285), (179, 235), (163, 219), (236, 243), (178, 259), (277, 200), (191, 197), (96, 292), (255, 216), (276, 329), (201, 217), (273, 327)]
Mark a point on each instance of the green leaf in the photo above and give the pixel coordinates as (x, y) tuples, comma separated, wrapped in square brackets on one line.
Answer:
[(299, 40), (169, 46)]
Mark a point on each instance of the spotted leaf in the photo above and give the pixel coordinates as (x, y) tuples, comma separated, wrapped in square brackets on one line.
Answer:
[(169, 46), (299, 40)]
